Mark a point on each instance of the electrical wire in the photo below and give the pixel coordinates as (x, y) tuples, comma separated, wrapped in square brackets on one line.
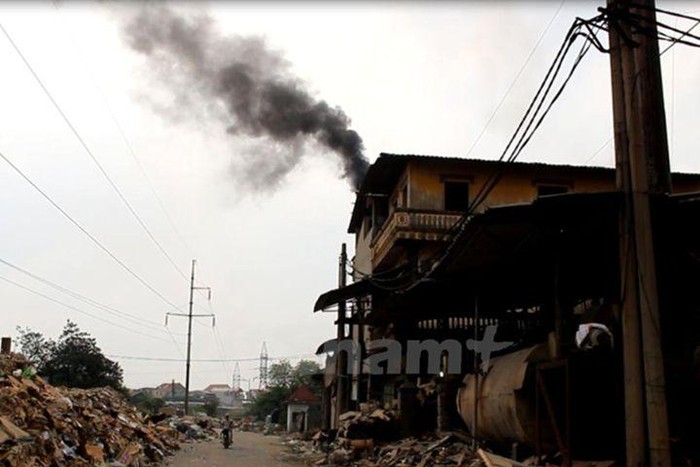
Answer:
[(515, 80), (87, 234), (87, 300), (602, 146), (84, 145), (537, 104), (71, 307), (526, 128), (129, 147), (590, 40), (206, 360)]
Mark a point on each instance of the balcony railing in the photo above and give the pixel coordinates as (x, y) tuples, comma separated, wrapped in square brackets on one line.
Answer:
[(413, 225)]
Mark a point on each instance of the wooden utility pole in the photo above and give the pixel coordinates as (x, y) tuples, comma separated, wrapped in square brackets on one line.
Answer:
[(189, 317), (642, 163)]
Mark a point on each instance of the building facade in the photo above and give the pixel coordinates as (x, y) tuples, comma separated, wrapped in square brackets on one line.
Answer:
[(446, 249)]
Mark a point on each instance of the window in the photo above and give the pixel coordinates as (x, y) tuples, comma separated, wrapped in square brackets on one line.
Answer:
[(546, 190), (456, 196)]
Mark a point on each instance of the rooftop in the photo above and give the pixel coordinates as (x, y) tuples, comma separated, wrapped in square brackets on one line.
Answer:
[(384, 173), (303, 394)]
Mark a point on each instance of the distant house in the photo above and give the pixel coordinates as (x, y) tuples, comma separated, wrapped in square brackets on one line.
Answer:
[(225, 394), (170, 390), (218, 388), (300, 410), (148, 391)]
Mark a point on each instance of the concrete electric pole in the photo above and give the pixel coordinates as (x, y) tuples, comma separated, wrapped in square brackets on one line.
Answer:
[(642, 163), (343, 390), (189, 317)]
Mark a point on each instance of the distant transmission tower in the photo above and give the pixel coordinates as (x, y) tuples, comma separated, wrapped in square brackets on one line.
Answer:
[(263, 367), (236, 377)]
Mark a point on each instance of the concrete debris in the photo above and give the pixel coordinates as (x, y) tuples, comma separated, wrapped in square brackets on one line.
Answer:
[(41, 425)]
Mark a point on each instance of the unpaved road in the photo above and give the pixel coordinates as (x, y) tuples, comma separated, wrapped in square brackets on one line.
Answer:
[(247, 450)]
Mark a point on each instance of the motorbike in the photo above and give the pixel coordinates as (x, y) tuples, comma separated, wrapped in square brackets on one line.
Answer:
[(226, 435)]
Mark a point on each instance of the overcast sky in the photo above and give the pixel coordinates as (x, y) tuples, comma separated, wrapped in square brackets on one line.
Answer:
[(412, 77)]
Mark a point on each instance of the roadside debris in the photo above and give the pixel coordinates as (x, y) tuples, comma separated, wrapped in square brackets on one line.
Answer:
[(450, 449), (379, 425), (41, 425), (194, 427)]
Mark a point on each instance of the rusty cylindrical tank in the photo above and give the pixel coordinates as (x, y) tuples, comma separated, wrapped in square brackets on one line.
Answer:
[(505, 411)]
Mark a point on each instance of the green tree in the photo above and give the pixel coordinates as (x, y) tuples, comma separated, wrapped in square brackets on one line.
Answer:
[(211, 405), (74, 360), (284, 380), (35, 346), (274, 398), (147, 403), (303, 373), (281, 374)]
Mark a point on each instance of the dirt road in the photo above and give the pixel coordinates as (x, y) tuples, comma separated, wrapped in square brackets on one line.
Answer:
[(248, 450)]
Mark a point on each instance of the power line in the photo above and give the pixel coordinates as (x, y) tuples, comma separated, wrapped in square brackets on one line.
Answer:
[(177, 346), (89, 152), (87, 300), (602, 146), (95, 303), (538, 101), (526, 128), (129, 147), (65, 305), (515, 80), (86, 233), (208, 360)]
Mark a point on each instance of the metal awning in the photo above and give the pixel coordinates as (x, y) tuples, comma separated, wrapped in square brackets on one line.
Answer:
[(342, 294)]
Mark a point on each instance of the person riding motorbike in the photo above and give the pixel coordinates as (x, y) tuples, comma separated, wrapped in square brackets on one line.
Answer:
[(227, 431)]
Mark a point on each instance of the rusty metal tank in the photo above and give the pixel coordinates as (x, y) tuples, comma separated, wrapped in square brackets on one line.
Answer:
[(506, 411)]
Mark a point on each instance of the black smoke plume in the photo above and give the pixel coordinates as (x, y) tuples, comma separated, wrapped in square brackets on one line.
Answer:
[(248, 87)]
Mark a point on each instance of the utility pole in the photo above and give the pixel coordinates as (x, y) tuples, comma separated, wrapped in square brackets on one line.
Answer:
[(189, 317), (642, 164), (342, 391)]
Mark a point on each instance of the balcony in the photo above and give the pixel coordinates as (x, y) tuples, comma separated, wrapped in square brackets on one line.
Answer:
[(411, 224)]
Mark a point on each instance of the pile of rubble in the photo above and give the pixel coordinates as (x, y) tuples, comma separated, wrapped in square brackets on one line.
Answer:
[(198, 427), (41, 425), (249, 423), (452, 449), (359, 443), (379, 425)]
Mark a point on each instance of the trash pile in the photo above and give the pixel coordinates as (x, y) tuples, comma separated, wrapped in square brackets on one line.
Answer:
[(452, 449), (250, 424), (379, 425), (194, 427), (41, 425)]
